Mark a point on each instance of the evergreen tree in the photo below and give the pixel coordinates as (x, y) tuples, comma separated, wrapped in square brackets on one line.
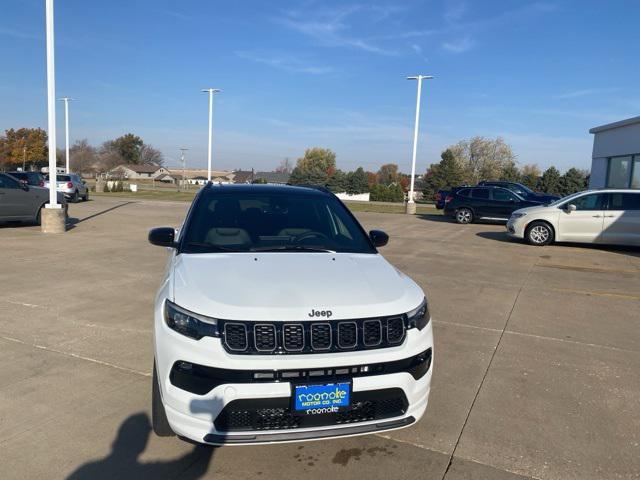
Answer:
[(510, 173), (444, 175), (337, 183), (357, 182), (573, 181), (550, 181)]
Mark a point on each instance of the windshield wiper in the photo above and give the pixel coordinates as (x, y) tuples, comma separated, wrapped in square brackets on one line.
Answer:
[(212, 248), (292, 248)]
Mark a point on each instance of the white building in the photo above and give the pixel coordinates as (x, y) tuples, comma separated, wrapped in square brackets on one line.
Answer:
[(616, 155)]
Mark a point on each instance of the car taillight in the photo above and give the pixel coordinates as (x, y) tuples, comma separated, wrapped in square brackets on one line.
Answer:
[(41, 183), (448, 199), (438, 197), (69, 185)]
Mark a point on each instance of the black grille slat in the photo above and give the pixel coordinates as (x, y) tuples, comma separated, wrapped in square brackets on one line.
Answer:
[(372, 332), (293, 337), (235, 336), (264, 338), (395, 330), (321, 336), (347, 334)]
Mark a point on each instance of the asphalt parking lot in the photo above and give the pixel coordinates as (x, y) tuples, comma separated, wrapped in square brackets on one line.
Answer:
[(537, 359)]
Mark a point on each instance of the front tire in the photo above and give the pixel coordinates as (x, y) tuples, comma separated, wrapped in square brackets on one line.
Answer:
[(159, 420), (539, 234), (85, 197), (464, 216), (75, 197)]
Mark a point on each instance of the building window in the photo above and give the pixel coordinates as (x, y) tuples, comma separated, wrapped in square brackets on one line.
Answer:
[(635, 175), (619, 172)]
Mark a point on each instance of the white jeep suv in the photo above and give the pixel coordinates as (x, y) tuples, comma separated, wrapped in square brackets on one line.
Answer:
[(278, 320)]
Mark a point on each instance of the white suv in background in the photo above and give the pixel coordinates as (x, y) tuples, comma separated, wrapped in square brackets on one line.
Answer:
[(278, 320), (608, 216)]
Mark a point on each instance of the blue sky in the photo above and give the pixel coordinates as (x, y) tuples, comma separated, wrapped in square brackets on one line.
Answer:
[(297, 74)]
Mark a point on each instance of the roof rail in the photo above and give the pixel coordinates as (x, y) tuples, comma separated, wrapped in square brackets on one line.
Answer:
[(320, 188)]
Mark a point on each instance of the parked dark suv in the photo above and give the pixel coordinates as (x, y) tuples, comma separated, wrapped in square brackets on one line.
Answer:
[(35, 179), (521, 190), (468, 204)]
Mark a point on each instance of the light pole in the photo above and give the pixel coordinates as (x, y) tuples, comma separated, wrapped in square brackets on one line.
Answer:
[(52, 217), (184, 166), (411, 206), (211, 91), (66, 128)]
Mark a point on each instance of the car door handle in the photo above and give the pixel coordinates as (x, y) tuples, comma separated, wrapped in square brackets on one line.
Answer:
[(609, 216), (597, 216)]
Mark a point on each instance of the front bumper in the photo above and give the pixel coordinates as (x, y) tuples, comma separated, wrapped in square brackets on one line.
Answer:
[(516, 227), (195, 415)]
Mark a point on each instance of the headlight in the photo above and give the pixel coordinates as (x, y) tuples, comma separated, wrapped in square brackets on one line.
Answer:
[(188, 323), (419, 317), (515, 216)]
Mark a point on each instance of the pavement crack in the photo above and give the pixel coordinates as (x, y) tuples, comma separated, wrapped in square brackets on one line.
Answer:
[(76, 356), (486, 372)]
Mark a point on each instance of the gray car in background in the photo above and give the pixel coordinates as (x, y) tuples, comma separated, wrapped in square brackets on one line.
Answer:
[(22, 202), (72, 186)]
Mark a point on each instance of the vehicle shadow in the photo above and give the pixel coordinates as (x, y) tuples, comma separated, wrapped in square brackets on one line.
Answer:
[(620, 249), (72, 221), (123, 461), (434, 217), (497, 236)]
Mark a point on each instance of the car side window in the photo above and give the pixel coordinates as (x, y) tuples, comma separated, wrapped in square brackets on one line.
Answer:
[(502, 195), (6, 182), (464, 193), (595, 201), (481, 193), (624, 201)]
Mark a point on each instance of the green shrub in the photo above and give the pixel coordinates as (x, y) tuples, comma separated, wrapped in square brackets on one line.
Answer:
[(383, 193)]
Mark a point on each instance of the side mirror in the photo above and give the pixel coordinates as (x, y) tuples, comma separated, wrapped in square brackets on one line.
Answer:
[(163, 237), (24, 185), (570, 208), (378, 238)]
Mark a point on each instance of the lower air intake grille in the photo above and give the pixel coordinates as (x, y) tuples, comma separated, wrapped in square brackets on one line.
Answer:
[(276, 414)]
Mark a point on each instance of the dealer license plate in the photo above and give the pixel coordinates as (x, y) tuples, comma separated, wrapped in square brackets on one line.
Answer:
[(321, 399)]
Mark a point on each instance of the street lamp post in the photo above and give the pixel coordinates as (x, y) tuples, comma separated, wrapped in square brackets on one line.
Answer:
[(53, 217), (411, 206), (66, 129), (184, 167), (211, 91)]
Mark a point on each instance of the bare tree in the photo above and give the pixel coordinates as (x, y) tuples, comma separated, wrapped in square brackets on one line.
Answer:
[(148, 155), (483, 158), (109, 157), (83, 157), (285, 166)]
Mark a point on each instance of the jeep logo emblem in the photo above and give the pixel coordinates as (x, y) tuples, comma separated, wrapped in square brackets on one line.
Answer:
[(320, 313)]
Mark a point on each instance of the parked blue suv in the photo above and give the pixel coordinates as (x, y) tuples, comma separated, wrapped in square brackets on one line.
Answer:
[(522, 190)]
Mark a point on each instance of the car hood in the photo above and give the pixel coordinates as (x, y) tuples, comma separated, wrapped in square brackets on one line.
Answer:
[(532, 209), (288, 286)]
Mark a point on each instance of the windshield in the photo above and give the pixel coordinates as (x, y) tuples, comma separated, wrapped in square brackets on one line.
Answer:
[(525, 189), (256, 222), (564, 199)]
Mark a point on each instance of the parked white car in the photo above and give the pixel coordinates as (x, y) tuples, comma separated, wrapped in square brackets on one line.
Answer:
[(609, 216), (277, 320), (71, 185)]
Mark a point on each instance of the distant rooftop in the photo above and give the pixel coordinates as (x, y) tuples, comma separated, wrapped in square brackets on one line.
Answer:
[(611, 126)]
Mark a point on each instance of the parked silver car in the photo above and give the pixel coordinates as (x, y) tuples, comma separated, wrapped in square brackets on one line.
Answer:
[(72, 186), (22, 202)]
